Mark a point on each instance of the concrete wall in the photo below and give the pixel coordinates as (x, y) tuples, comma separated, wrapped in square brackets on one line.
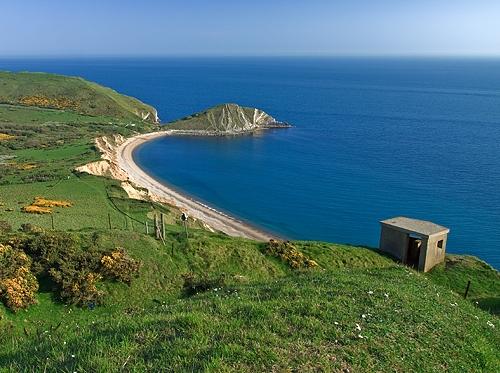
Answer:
[(393, 242), (433, 254)]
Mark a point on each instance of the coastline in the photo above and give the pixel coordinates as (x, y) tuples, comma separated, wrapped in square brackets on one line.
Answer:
[(160, 192)]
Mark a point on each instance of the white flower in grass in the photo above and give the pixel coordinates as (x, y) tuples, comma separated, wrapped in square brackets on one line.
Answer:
[(358, 327), (490, 324), (386, 295), (336, 323), (370, 292), (360, 336), (363, 316), (73, 356)]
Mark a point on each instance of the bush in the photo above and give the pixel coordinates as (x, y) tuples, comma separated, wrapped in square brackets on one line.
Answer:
[(31, 228), (194, 284), (5, 227), (46, 249), (119, 266), (289, 254), (75, 270), (18, 285), (77, 287)]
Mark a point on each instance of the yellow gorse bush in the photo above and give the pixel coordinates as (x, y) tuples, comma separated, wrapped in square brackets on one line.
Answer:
[(36, 210), (6, 137), (120, 266), (44, 202), (18, 286), (289, 254), (43, 205), (51, 102)]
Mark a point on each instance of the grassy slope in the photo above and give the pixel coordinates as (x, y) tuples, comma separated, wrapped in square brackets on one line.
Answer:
[(485, 282), (267, 317), (86, 97)]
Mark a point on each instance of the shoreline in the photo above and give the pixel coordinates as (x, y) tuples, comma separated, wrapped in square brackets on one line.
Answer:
[(215, 219)]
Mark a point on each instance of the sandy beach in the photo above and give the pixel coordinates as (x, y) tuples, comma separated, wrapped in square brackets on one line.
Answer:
[(161, 192)]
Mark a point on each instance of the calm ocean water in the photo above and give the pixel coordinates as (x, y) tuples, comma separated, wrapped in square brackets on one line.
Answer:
[(373, 138)]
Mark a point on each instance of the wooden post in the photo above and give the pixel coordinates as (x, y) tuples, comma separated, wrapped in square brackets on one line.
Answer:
[(162, 225), (186, 229), (109, 220), (52, 221), (467, 290), (157, 227)]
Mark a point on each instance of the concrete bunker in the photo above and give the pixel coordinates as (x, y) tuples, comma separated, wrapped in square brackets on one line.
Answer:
[(417, 243)]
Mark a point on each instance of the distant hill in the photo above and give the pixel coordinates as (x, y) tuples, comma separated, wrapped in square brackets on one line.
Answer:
[(227, 119), (70, 94)]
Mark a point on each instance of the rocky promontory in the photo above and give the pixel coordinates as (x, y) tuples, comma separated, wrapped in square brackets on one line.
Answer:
[(226, 119)]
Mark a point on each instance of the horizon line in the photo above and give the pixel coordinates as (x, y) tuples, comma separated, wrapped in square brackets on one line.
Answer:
[(284, 55)]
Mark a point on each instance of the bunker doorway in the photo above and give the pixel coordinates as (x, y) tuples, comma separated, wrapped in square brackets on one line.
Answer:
[(413, 250)]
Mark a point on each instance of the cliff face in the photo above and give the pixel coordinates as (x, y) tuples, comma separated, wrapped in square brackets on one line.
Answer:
[(227, 119)]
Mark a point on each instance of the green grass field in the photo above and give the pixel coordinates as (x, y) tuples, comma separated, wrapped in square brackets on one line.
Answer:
[(357, 311)]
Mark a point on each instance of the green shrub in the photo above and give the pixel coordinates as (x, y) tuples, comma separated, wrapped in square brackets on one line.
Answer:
[(77, 287), (5, 227), (46, 249), (31, 228)]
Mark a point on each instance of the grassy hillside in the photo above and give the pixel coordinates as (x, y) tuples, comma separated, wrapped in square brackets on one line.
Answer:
[(70, 93), (358, 311), (46, 143), (224, 118)]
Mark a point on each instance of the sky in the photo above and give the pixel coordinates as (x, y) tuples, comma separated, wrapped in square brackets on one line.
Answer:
[(249, 28)]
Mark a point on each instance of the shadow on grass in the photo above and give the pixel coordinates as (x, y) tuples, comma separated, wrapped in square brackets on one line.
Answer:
[(490, 304)]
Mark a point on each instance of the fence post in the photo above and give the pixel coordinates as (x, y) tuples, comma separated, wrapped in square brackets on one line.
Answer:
[(157, 227), (162, 225), (467, 290)]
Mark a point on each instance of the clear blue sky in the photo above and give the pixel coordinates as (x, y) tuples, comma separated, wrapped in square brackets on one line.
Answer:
[(252, 27)]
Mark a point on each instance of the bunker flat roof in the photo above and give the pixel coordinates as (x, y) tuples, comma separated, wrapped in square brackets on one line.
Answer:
[(409, 225)]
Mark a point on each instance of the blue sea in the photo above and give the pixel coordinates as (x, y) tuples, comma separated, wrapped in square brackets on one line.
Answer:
[(373, 138)]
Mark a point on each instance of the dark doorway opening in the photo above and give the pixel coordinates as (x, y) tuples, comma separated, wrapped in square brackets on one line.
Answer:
[(413, 251)]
